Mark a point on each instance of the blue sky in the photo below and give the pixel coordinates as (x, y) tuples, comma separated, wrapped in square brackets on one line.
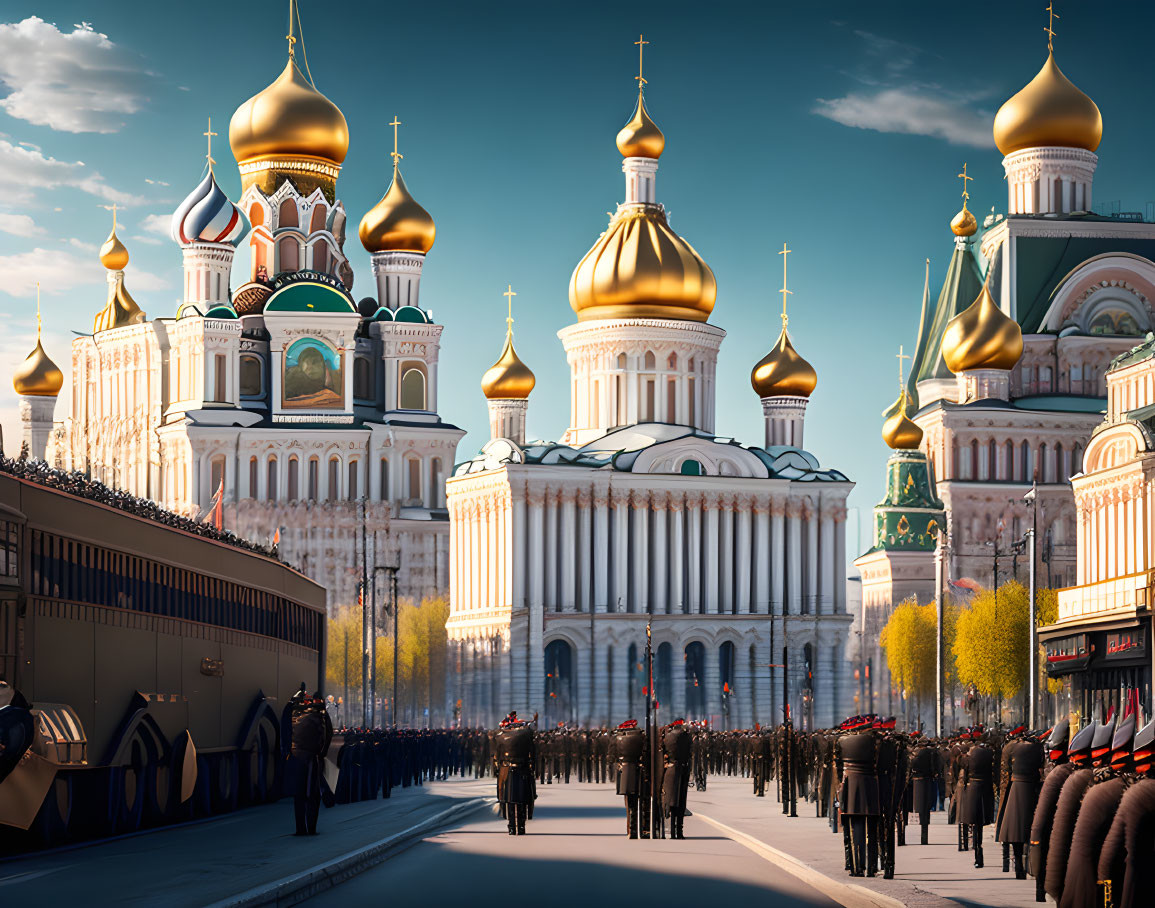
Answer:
[(835, 127)]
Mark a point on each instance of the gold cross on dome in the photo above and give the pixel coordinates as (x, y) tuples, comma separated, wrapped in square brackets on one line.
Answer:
[(509, 295), (38, 310), (394, 154), (290, 37), (784, 252), (1050, 29), (208, 134), (641, 43), (963, 176), (901, 357), (114, 217)]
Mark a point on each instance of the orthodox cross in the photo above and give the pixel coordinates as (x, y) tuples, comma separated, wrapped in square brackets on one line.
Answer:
[(114, 217), (641, 43), (901, 357), (394, 154), (963, 176), (290, 37), (509, 295), (784, 252), (1050, 29), (209, 135), (38, 310)]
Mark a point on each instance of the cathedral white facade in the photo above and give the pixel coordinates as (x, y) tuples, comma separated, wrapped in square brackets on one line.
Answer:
[(313, 415), (562, 553)]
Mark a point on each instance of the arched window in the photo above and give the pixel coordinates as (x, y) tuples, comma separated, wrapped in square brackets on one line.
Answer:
[(385, 493), (314, 477), (1009, 467), (560, 702), (672, 362), (414, 489), (287, 214), (362, 383), (974, 465), (1077, 460), (271, 489), (621, 360), (691, 468), (317, 219), (216, 475), (694, 660), (1062, 472), (354, 471), (321, 256), (993, 461), (435, 482), (334, 478), (1025, 465), (251, 376), (253, 467), (664, 675), (289, 254), (294, 478), (651, 361), (260, 247), (1043, 468), (256, 215), (412, 388)]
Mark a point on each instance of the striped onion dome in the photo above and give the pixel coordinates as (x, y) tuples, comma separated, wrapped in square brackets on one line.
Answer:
[(207, 216)]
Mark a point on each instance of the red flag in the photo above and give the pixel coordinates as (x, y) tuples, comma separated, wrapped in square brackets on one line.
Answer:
[(214, 513), (277, 537)]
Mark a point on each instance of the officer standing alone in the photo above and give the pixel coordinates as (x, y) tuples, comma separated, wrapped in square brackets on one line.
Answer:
[(630, 754)]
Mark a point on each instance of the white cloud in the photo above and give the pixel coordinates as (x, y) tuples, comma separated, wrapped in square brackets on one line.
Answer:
[(23, 170), (76, 81), (81, 244), (910, 112), (156, 223), (60, 270), (19, 225), (156, 182)]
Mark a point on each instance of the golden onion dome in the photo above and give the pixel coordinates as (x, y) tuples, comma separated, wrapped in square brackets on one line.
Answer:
[(641, 138), (38, 375), (397, 222), (964, 223), (508, 378), (900, 432), (783, 373), (640, 268), (113, 254), (1050, 110), (982, 337), (289, 118)]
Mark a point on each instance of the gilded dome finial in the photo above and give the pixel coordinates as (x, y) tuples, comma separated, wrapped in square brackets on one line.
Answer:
[(208, 134), (783, 372), (38, 375), (641, 138), (785, 318), (900, 432), (397, 223), (113, 254), (1050, 29), (508, 378), (964, 223)]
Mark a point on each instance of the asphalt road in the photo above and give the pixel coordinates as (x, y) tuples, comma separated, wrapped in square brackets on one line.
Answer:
[(575, 854)]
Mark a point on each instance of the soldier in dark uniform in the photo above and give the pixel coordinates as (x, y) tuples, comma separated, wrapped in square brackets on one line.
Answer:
[(675, 775), (926, 776), (1060, 769), (630, 753), (856, 756), (1022, 778), (16, 727), (977, 808), (515, 756), (762, 756), (1067, 810), (310, 735), (1126, 871), (887, 768), (1097, 810)]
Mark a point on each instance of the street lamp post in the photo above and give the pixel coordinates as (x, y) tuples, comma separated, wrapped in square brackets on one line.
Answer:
[(1032, 631), (939, 558)]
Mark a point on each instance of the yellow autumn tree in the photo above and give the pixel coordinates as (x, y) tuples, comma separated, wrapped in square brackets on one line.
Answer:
[(991, 641), (909, 642), (1047, 612), (343, 658)]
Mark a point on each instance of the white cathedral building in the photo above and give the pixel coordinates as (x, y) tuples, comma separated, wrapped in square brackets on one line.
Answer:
[(313, 414), (562, 552)]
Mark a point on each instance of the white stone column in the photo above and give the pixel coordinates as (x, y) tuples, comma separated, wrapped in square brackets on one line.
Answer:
[(694, 553), (535, 643), (777, 558), (811, 556), (677, 553), (398, 276), (827, 553), (761, 556), (763, 702), (619, 598), (658, 555), (742, 550), (36, 412), (710, 546), (640, 506), (677, 707), (619, 701), (793, 557), (551, 550), (584, 549), (601, 548), (567, 552), (600, 706), (726, 555), (839, 513)]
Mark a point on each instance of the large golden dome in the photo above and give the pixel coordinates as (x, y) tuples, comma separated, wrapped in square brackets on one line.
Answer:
[(1050, 110), (38, 375), (397, 222), (641, 138), (783, 373), (982, 337), (508, 378), (640, 268), (289, 118), (900, 432)]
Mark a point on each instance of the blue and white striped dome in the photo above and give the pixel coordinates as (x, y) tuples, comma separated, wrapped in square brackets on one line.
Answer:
[(207, 216)]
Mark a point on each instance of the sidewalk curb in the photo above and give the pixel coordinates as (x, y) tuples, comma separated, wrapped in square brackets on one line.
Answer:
[(849, 895), (300, 886)]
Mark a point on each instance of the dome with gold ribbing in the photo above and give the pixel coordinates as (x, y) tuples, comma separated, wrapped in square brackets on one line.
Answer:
[(900, 432), (982, 337), (289, 130), (121, 309)]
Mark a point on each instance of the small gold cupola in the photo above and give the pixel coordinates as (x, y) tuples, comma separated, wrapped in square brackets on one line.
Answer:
[(397, 223), (38, 375), (508, 378), (121, 309)]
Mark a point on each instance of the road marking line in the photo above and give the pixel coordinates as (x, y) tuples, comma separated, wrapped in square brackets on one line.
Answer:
[(846, 894)]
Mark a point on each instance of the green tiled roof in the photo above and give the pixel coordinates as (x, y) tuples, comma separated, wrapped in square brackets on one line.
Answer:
[(960, 289), (1137, 354), (307, 296)]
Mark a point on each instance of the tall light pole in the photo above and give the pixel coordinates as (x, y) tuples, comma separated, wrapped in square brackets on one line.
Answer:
[(1032, 631), (939, 558)]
